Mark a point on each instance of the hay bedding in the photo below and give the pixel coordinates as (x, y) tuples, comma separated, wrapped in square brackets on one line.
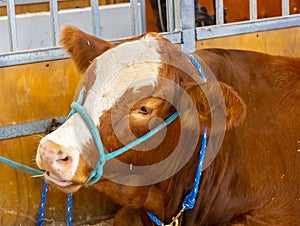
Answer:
[(103, 223)]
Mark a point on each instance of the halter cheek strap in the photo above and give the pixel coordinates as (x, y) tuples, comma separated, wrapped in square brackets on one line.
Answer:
[(98, 171)]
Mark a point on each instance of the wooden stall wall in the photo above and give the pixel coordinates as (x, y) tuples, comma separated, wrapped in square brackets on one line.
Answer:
[(284, 42), (30, 93)]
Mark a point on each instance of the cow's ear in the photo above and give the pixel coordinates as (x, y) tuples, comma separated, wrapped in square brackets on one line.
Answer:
[(235, 106), (84, 48)]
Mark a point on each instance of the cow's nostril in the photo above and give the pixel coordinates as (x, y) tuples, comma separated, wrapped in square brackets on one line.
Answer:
[(62, 156), (65, 159)]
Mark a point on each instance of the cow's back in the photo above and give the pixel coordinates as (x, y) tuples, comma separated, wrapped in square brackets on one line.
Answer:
[(261, 158)]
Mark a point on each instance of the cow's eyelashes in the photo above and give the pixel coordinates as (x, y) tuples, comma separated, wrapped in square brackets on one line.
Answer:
[(144, 110)]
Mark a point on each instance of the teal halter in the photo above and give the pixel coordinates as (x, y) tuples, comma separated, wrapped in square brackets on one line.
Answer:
[(78, 107), (97, 173)]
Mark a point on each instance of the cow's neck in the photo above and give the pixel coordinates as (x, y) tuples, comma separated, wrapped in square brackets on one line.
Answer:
[(163, 199), (181, 186), (212, 194), (151, 197)]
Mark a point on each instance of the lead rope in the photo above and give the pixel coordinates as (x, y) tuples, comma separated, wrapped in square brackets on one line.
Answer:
[(69, 210), (43, 203), (190, 200), (45, 187)]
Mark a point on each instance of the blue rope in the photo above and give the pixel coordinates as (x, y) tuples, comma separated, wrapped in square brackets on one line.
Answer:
[(198, 66), (69, 210), (155, 219), (190, 200), (43, 203)]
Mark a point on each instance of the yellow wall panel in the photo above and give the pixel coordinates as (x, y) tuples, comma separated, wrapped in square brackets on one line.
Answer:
[(285, 42), (36, 91)]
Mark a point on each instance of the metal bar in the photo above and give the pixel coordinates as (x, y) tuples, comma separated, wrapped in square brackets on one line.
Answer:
[(140, 24), (55, 53), (174, 37), (25, 129), (142, 11), (135, 18), (12, 26), (170, 15), (31, 56), (95, 14), (219, 12), (23, 2), (176, 15), (54, 22), (202, 33), (253, 9), (187, 16), (285, 7), (247, 27)]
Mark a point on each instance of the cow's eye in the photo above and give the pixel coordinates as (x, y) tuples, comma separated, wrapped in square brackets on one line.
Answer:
[(144, 110)]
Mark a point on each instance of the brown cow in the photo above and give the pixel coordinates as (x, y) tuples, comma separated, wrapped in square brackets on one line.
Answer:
[(252, 164)]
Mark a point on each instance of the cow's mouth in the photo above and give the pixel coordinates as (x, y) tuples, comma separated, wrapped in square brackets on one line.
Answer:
[(63, 185), (57, 181)]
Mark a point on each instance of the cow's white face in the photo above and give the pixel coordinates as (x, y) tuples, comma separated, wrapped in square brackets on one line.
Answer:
[(114, 72)]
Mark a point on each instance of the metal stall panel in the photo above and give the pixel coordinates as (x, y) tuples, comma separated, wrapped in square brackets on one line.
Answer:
[(115, 23)]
